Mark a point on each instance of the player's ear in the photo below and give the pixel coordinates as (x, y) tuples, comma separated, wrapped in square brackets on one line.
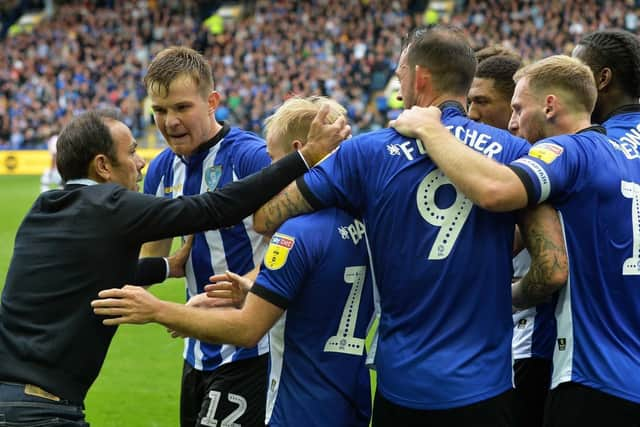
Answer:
[(100, 168), (213, 100), (603, 79), (551, 106), (297, 144), (423, 78)]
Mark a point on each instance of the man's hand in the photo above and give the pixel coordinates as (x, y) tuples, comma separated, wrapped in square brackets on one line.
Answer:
[(417, 121), (324, 137), (229, 287), (131, 304), (178, 260)]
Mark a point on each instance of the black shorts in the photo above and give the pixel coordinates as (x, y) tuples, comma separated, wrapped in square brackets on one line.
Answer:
[(532, 379), (235, 392), (572, 404), (493, 412)]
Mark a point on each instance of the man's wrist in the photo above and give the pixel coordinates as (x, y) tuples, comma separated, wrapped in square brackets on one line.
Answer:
[(310, 154)]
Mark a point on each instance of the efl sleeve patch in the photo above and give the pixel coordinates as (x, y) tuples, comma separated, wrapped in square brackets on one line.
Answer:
[(278, 251), (546, 151)]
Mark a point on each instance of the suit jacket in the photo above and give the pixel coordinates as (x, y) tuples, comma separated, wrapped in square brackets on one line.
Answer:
[(80, 240)]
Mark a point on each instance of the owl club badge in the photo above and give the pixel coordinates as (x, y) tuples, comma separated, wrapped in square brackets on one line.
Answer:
[(278, 251), (212, 176)]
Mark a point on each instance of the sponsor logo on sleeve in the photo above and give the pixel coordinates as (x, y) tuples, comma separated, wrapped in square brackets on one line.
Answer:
[(278, 251), (546, 151)]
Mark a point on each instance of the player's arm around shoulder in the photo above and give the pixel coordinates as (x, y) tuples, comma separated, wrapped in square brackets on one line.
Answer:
[(489, 184), (288, 203), (542, 235)]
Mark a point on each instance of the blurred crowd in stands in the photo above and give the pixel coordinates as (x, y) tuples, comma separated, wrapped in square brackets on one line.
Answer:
[(539, 28), (89, 54)]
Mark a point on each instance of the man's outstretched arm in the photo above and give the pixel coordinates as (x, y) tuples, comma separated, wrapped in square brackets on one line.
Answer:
[(135, 305), (543, 238), (489, 184)]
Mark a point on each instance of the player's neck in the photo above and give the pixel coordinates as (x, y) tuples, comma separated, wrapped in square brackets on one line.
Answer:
[(570, 123), (439, 99)]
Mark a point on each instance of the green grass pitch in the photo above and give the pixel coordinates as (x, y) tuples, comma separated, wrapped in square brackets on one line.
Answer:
[(139, 385)]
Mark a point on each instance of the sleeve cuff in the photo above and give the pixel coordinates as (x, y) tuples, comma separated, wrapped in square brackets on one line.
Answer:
[(315, 203), (527, 182), (270, 296), (151, 271), (168, 269)]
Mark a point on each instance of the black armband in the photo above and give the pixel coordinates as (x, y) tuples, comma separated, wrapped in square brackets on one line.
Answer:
[(150, 271)]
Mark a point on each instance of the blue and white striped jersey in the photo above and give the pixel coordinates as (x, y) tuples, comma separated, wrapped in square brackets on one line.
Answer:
[(442, 265), (231, 155), (317, 270), (594, 183), (534, 329)]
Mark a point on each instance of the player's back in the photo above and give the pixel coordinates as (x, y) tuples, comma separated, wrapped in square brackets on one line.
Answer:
[(598, 313), (318, 266), (442, 265)]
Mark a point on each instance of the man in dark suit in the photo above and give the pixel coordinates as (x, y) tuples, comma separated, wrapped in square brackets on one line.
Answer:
[(86, 237)]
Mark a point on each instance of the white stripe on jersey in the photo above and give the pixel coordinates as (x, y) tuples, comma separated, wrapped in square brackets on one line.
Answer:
[(541, 174), (563, 358), (226, 353), (375, 316), (523, 325), (523, 321), (276, 344), (219, 264)]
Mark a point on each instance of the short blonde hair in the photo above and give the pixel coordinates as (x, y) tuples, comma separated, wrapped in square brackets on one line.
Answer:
[(572, 79), (292, 120)]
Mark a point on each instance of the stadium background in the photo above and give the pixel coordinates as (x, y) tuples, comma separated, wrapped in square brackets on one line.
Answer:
[(59, 58)]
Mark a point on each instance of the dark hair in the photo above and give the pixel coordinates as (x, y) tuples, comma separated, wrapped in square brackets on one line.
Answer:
[(446, 52), (86, 136), (618, 50), (501, 69), (177, 61), (494, 50)]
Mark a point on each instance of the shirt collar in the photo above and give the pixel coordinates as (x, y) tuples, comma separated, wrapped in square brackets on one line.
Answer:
[(594, 128), (628, 108), (452, 104), (81, 181), (204, 148)]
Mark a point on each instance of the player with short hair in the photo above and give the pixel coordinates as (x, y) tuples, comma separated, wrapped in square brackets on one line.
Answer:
[(442, 266), (534, 328), (594, 182), (86, 237), (203, 155), (313, 294), (491, 91)]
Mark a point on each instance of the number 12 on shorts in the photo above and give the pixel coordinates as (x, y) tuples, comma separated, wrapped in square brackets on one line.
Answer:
[(229, 421)]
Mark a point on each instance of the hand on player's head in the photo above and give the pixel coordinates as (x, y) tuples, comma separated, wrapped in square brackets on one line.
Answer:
[(324, 137)]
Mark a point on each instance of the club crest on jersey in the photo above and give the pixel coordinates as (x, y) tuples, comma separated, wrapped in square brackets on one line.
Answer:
[(212, 176), (546, 151), (278, 251)]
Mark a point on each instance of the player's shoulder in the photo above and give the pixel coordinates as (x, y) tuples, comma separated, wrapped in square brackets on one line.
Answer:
[(377, 140), (588, 139), (243, 138), (318, 222), (163, 160)]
